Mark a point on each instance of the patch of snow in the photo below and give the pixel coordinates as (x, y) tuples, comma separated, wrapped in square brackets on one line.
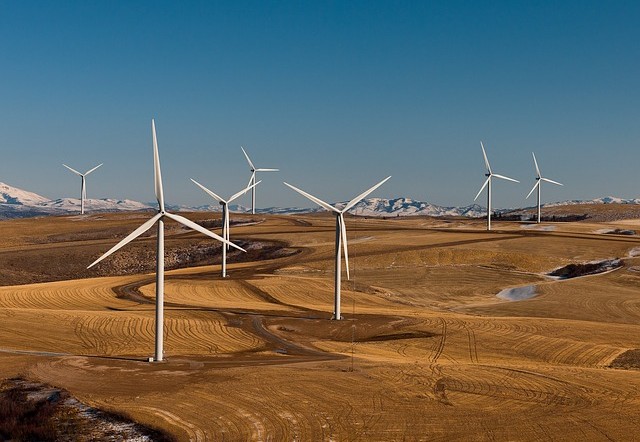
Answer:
[(539, 227), (518, 293)]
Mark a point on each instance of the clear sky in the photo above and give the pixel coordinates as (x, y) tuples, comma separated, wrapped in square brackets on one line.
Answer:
[(338, 95)]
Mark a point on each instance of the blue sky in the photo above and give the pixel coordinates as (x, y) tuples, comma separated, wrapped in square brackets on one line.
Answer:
[(338, 95)]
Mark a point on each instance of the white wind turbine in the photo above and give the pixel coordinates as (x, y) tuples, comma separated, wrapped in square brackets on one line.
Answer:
[(490, 175), (538, 184), (341, 237), (83, 188), (252, 180), (225, 216), (159, 218)]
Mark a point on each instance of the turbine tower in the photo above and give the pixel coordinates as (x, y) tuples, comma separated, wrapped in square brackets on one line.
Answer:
[(159, 218), (225, 216), (83, 187), (341, 237), (538, 184), (490, 175), (252, 180)]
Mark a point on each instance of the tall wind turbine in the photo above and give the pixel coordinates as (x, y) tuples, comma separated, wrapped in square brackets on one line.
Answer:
[(159, 218), (341, 237), (252, 180), (490, 175), (225, 216), (538, 184), (83, 188)]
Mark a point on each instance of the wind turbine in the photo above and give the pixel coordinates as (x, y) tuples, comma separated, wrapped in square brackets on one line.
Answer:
[(490, 175), (538, 184), (159, 218), (341, 236), (225, 216), (252, 180), (83, 188)]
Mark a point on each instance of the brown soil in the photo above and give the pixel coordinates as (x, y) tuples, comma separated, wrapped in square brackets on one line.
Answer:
[(425, 350)]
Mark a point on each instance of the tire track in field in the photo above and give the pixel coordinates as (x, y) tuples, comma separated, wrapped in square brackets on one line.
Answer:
[(439, 347), (473, 348), (195, 434)]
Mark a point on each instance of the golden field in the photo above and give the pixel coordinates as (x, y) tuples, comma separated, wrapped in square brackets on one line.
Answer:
[(426, 351)]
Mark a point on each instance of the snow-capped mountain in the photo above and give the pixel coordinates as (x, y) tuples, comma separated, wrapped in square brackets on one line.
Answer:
[(13, 195), (372, 207), (18, 203), (96, 205), (409, 207), (369, 207), (603, 200)]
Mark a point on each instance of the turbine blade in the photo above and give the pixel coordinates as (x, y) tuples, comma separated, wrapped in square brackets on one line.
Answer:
[(227, 226), (72, 170), (133, 235), (343, 232), (252, 178), (157, 174), (486, 160), (534, 188), (207, 191), (267, 170), (505, 178), (91, 170), (357, 199), (482, 188), (184, 221), (318, 201), (551, 181), (242, 192), (226, 222), (536, 163), (248, 160)]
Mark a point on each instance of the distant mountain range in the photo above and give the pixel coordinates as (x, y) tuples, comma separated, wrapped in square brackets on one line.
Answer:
[(18, 203), (603, 200)]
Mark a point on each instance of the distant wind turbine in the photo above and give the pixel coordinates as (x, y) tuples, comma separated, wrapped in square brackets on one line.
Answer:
[(225, 216), (341, 236), (538, 184), (252, 180), (159, 218), (83, 188), (490, 175)]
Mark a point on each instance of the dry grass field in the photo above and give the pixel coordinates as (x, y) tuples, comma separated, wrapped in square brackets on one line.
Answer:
[(426, 351)]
